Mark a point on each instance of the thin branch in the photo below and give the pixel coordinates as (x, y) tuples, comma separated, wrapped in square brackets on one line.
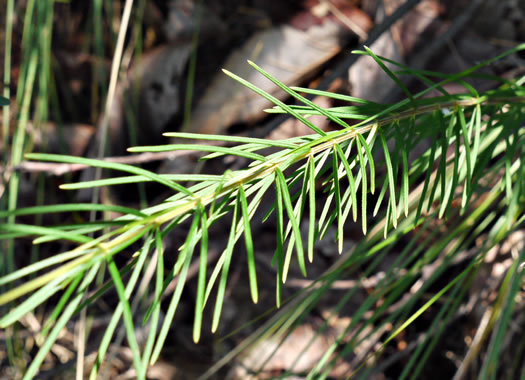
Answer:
[(61, 169)]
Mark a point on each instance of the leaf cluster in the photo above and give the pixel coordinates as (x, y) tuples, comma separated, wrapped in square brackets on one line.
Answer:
[(470, 169)]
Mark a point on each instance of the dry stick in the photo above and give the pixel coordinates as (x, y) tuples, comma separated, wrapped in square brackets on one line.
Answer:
[(61, 169), (353, 26)]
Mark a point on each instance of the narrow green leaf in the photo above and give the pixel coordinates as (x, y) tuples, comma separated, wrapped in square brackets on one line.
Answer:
[(322, 225), (225, 177), (370, 162), (291, 216), (116, 317), (138, 179), (466, 144), (275, 101), (189, 246), (429, 303), (364, 187), (405, 181), (228, 253), (72, 207), (231, 139), (477, 134), (505, 308), (282, 271), (60, 305), (449, 194), (329, 115), (196, 147), (47, 231), (333, 95), (128, 317), (65, 317), (390, 73), (214, 275), (344, 112), (429, 166), (513, 202), (310, 176), (391, 183), (351, 181), (155, 314), (39, 296), (249, 245), (441, 171), (338, 207), (201, 282), (509, 152), (381, 196)]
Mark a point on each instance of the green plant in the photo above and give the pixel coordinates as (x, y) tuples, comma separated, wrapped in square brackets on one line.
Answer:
[(471, 173)]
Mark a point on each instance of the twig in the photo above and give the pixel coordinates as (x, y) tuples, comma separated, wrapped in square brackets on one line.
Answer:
[(353, 26), (61, 169)]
